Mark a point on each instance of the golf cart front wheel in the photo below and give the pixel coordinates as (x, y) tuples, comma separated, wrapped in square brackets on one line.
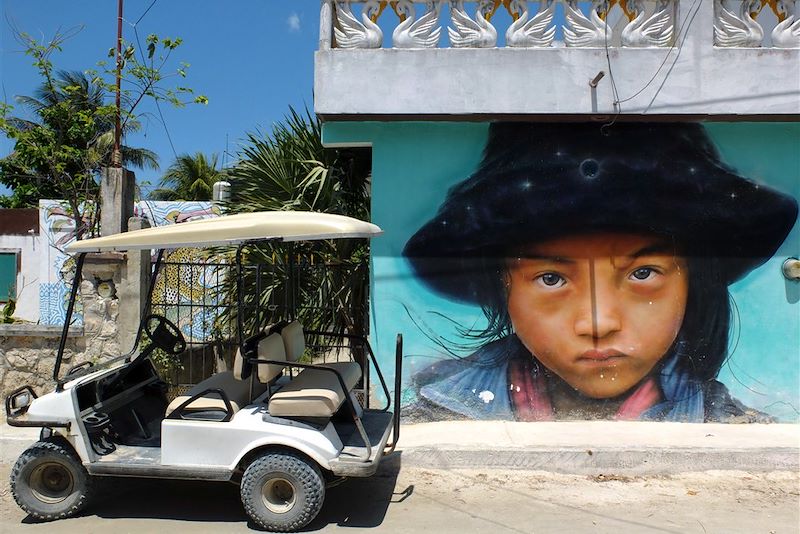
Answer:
[(282, 492), (49, 482)]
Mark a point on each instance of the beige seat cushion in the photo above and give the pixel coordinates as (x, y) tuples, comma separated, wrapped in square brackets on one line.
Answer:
[(237, 391), (314, 393), (294, 344), (270, 348), (294, 341), (238, 365), (350, 371)]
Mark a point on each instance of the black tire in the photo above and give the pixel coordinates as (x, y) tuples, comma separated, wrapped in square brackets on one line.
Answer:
[(49, 482), (282, 492)]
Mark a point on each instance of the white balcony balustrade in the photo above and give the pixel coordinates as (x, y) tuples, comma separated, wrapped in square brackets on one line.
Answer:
[(528, 24), (547, 23)]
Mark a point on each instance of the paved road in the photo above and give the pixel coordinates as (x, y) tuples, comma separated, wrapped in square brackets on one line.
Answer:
[(412, 499)]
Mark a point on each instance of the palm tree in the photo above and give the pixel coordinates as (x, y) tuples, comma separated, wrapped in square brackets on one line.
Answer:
[(82, 95), (291, 170), (70, 111), (189, 178)]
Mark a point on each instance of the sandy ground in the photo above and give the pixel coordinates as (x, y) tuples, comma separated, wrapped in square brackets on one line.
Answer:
[(409, 499)]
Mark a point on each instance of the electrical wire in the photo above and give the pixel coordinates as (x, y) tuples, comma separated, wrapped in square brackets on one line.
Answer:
[(145, 12), (141, 53), (671, 48), (617, 108), (617, 102), (166, 130)]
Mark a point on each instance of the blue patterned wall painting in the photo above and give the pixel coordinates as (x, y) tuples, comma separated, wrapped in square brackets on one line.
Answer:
[(57, 231)]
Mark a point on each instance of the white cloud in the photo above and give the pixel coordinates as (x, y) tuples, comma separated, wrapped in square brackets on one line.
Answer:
[(294, 22)]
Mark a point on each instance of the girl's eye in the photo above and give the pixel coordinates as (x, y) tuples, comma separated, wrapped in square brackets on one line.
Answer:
[(643, 273), (551, 279)]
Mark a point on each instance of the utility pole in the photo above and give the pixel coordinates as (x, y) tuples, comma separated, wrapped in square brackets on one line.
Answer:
[(117, 184), (116, 156)]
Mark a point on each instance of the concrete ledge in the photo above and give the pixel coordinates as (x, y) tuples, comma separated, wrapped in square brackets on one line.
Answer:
[(405, 83), (37, 330), (621, 461), (595, 447)]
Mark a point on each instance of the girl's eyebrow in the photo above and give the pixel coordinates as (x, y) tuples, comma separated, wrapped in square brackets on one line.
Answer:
[(540, 257), (656, 249)]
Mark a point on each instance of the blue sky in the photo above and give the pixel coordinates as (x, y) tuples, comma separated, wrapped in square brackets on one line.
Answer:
[(251, 58)]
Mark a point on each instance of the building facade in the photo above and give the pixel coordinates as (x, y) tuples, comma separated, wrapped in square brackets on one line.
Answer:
[(526, 153)]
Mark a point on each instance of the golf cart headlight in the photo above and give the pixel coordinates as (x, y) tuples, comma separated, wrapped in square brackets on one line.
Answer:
[(21, 400)]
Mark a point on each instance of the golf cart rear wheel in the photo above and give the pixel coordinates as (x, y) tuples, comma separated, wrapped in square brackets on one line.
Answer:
[(49, 482), (282, 492)]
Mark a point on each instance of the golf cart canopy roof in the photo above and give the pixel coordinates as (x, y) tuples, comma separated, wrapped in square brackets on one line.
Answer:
[(234, 230)]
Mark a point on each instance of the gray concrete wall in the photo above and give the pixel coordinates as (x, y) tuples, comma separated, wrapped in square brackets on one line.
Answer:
[(28, 353), (697, 79)]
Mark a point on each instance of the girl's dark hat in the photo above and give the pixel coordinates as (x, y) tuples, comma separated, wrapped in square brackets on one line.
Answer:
[(541, 181)]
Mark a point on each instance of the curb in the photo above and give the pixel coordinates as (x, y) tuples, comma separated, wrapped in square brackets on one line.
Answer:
[(622, 461), (602, 447)]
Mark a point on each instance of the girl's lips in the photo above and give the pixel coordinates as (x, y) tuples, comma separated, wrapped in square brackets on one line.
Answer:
[(601, 357)]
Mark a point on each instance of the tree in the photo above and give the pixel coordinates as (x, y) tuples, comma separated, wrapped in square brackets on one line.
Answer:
[(61, 152), (75, 93), (291, 170), (189, 178)]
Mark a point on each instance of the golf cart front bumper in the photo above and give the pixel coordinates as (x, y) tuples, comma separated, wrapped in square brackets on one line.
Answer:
[(17, 404)]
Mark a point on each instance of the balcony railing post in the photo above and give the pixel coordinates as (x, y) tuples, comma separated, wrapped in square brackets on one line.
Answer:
[(325, 24)]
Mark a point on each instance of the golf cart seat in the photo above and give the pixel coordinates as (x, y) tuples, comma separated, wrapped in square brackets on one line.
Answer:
[(313, 392), (294, 341), (203, 401)]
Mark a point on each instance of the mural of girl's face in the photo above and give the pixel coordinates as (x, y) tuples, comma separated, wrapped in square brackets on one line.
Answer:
[(598, 310)]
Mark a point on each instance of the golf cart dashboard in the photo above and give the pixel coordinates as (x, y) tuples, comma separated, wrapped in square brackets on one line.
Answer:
[(116, 389)]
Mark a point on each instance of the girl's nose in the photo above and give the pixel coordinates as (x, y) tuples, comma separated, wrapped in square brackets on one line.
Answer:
[(597, 325), (598, 312)]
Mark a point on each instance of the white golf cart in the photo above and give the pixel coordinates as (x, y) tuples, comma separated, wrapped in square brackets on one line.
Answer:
[(280, 428)]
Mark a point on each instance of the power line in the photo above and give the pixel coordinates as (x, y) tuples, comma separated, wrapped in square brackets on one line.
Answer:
[(690, 17), (144, 60), (671, 48), (614, 92), (145, 13), (166, 130)]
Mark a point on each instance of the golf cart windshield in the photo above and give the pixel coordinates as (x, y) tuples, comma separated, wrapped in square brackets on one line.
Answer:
[(231, 230)]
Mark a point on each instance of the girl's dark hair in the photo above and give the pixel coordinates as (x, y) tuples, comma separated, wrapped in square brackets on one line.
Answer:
[(707, 321), (703, 335)]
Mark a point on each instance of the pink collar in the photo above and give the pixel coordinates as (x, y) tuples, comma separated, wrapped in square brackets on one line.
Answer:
[(531, 401)]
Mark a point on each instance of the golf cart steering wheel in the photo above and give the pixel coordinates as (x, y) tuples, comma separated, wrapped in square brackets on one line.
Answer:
[(164, 334)]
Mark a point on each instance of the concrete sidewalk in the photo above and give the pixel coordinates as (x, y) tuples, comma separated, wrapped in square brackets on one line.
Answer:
[(593, 447)]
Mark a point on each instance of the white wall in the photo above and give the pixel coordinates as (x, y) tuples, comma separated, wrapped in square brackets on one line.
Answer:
[(29, 247)]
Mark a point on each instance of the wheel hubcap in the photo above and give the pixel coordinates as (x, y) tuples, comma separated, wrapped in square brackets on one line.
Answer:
[(51, 483), (278, 495)]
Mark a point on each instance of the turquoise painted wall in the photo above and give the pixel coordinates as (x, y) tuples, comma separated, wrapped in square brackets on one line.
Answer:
[(415, 163)]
